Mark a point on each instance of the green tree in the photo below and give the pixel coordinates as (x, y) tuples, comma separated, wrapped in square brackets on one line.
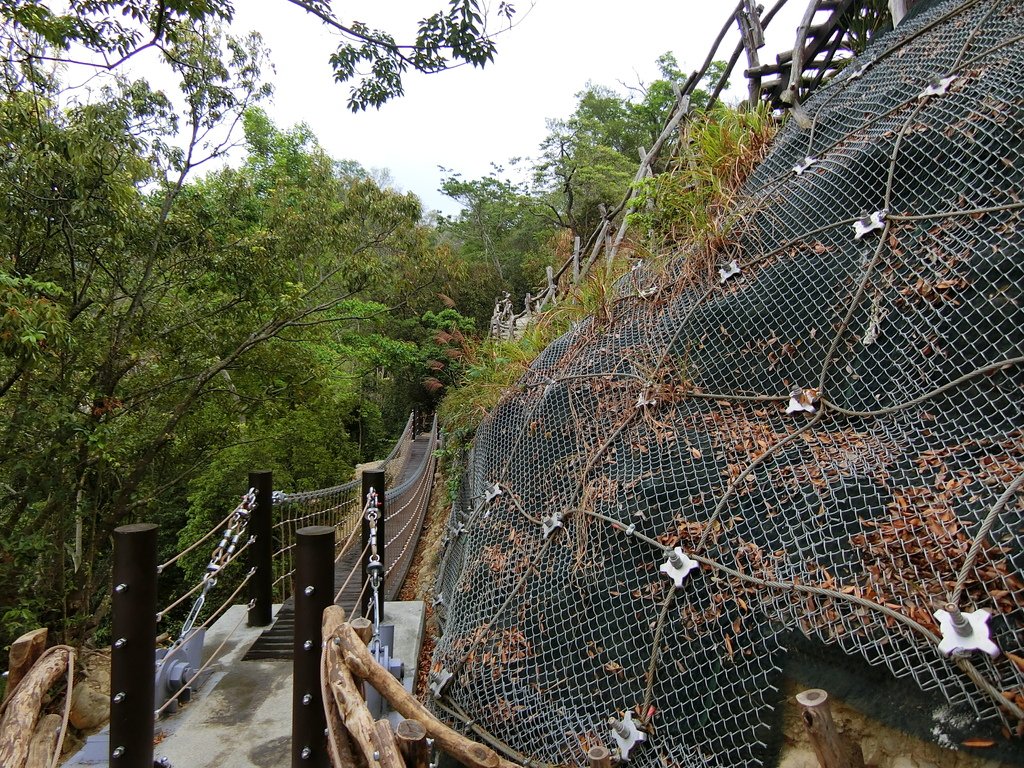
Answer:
[(499, 236), (372, 59), (160, 331)]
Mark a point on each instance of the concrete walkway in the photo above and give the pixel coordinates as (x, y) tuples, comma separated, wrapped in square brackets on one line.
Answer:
[(242, 716)]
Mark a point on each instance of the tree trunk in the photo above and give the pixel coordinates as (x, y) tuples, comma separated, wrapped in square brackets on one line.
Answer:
[(25, 651), (44, 742), (22, 709)]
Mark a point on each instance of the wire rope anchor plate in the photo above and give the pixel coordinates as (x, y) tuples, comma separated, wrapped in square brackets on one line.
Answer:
[(438, 681), (678, 566), (493, 492), (729, 271), (550, 523), (801, 399), (868, 223), (860, 71), (804, 164), (937, 87), (964, 632), (626, 734)]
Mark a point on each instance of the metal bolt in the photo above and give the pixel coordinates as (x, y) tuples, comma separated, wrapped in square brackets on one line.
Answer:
[(309, 590), (960, 625), (675, 559), (620, 728), (118, 752), (120, 642), (306, 753), (307, 698), (119, 697), (376, 756), (308, 645), (336, 640), (121, 588), (164, 761)]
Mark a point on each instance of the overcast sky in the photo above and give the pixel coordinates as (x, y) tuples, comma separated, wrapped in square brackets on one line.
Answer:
[(467, 118)]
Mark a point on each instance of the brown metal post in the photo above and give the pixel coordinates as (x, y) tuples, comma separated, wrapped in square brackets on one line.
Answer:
[(314, 591), (262, 550), (133, 651), (374, 478)]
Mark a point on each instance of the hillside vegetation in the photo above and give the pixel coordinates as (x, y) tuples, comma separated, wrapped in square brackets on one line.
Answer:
[(169, 321)]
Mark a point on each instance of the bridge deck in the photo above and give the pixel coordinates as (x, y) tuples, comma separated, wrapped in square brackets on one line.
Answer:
[(402, 532)]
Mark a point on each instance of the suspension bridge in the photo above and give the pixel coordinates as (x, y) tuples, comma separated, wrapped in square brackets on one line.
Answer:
[(234, 665)]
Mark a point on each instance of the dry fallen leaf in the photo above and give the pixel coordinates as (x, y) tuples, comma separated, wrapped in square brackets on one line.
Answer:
[(977, 743)]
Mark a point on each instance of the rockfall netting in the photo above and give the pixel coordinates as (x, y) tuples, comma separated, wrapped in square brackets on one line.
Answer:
[(824, 417)]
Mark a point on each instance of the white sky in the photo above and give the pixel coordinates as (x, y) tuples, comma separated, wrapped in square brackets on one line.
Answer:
[(468, 118)]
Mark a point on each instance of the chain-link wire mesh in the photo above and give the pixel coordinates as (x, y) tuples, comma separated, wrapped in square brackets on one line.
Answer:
[(833, 434)]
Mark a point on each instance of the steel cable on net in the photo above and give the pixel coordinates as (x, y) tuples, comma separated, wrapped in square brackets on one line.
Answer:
[(837, 92), (671, 479), (944, 389), (452, 709), (979, 538), (925, 633)]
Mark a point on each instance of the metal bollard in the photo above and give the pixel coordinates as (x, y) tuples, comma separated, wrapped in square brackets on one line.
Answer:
[(133, 652), (314, 591), (262, 551), (374, 478)]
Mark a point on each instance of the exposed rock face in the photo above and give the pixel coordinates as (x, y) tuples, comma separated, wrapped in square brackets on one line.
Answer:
[(824, 415)]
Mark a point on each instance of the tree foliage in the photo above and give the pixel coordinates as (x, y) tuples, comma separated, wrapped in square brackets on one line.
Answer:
[(163, 333), (372, 60)]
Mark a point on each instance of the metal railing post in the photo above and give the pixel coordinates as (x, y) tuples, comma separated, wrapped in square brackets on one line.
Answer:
[(374, 478), (262, 551), (133, 651), (314, 591)]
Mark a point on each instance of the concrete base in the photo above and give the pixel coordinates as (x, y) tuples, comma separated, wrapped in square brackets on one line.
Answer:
[(409, 619), (242, 717)]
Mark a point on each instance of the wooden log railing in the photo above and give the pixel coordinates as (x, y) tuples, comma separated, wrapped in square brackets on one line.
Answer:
[(352, 731)]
